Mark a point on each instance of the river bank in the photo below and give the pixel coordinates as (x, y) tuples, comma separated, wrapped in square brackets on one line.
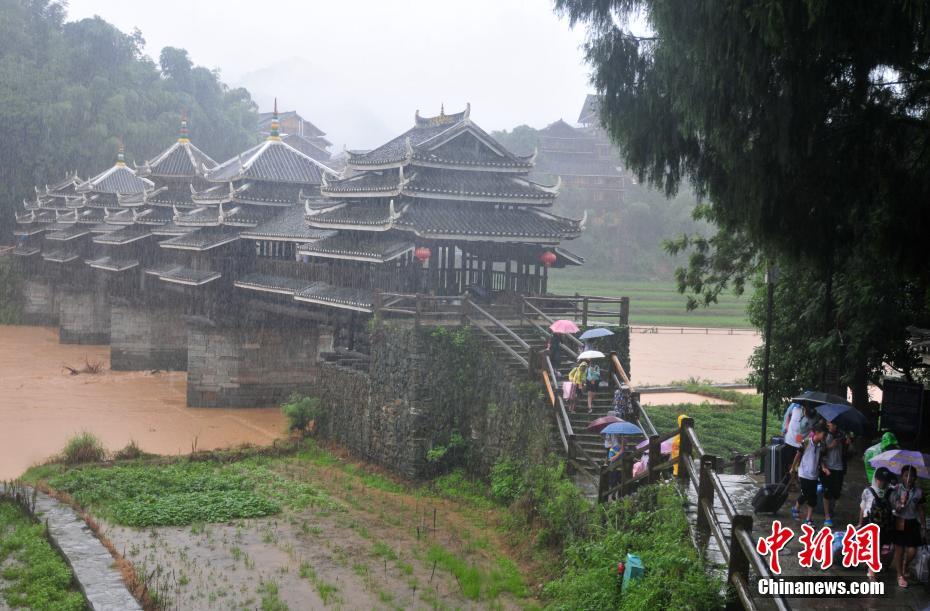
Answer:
[(43, 405)]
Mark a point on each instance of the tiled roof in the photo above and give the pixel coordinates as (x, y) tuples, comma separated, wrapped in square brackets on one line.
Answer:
[(180, 159), (103, 228), (321, 293), (126, 235), (92, 217), (378, 182), (272, 284), (272, 161), (190, 277), (476, 186), (252, 192), (396, 149), (61, 255), (72, 232), (240, 215), (205, 238), (172, 195), (442, 220), (119, 217), (112, 264), (29, 230), (371, 247), (154, 216), (370, 214), (26, 251), (118, 179), (287, 225), (171, 229)]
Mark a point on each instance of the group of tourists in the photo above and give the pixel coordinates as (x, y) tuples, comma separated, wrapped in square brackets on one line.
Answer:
[(892, 501)]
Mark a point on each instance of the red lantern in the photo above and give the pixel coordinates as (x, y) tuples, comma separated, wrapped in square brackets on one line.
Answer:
[(422, 254), (548, 258)]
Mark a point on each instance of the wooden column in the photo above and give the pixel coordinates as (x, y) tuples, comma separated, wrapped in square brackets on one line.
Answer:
[(507, 275), (684, 448)]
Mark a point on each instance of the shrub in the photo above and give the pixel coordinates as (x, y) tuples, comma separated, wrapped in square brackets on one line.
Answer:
[(506, 480), (83, 448), (300, 411), (552, 497), (130, 451)]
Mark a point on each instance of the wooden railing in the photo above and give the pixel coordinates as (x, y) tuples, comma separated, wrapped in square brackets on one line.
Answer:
[(585, 307)]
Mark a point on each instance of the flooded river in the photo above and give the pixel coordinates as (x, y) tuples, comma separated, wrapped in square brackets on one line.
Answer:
[(41, 405)]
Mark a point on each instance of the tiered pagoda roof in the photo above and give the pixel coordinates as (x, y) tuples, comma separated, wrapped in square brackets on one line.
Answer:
[(443, 179)]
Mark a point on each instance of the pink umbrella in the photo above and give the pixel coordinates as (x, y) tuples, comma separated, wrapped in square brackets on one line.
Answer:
[(665, 447), (603, 421), (563, 326)]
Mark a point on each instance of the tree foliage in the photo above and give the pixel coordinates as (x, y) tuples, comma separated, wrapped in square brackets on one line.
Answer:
[(70, 91), (803, 126)]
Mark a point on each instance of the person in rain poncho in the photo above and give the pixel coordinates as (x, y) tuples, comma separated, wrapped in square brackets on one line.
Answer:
[(578, 377), (676, 444), (888, 442)]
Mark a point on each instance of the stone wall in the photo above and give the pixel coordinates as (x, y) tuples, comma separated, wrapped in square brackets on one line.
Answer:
[(84, 316), (425, 384), (40, 303), (251, 365), (147, 337)]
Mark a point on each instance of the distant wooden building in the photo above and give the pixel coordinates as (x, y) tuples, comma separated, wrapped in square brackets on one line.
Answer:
[(583, 156), (298, 133)]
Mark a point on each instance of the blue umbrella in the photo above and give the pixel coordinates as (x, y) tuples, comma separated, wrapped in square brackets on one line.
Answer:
[(845, 417), (621, 428), (595, 332)]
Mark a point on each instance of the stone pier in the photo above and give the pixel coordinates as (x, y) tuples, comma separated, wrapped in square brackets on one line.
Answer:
[(147, 337), (252, 364), (84, 315), (40, 302)]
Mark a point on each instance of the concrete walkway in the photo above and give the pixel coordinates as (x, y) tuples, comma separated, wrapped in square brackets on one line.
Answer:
[(91, 563)]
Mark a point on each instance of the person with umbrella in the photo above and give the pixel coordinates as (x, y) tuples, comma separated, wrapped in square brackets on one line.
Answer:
[(874, 508), (808, 466), (835, 445), (887, 442), (592, 382), (907, 507)]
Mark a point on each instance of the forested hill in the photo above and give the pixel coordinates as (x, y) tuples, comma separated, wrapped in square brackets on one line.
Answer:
[(620, 242), (70, 91)]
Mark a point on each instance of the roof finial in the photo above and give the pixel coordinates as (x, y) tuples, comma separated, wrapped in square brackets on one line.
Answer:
[(442, 109), (467, 110), (184, 135), (275, 126), (120, 154)]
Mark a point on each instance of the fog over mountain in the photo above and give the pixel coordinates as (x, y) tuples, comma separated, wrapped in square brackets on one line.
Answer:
[(359, 70)]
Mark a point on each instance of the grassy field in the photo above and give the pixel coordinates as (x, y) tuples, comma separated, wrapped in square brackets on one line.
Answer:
[(653, 302), (721, 428)]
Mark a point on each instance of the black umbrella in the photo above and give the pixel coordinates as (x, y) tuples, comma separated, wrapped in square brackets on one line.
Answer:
[(846, 418), (819, 398)]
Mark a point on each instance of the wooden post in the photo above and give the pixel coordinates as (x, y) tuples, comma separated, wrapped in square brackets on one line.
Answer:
[(624, 311), (419, 306), (739, 563), (655, 450), (739, 464), (602, 484), (507, 275), (464, 312), (584, 312), (684, 448), (376, 306), (626, 473), (545, 281), (705, 492)]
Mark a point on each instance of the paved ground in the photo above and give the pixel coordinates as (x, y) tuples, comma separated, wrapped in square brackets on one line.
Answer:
[(743, 488)]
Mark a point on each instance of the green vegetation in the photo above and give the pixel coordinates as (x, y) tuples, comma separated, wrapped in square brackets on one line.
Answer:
[(475, 582), (71, 91), (83, 448), (271, 601), (652, 525), (11, 292), (721, 428), (184, 492), (653, 302), (33, 576), (300, 411)]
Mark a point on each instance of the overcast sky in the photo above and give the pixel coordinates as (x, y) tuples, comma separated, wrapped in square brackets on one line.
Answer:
[(359, 69)]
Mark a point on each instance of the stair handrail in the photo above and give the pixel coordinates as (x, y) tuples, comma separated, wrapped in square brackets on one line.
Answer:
[(619, 374), (577, 342), (488, 316)]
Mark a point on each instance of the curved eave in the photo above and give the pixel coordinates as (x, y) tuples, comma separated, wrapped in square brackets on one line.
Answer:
[(333, 304), (207, 280), (379, 165), (490, 237), (472, 167), (329, 192), (493, 198), (250, 286)]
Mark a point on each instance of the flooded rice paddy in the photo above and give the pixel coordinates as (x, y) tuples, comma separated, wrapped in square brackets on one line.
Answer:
[(41, 405)]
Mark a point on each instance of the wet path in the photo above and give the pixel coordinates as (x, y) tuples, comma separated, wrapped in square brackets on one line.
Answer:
[(41, 406)]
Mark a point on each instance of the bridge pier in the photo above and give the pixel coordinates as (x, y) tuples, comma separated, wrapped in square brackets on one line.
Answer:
[(147, 337), (40, 302), (84, 314), (251, 364)]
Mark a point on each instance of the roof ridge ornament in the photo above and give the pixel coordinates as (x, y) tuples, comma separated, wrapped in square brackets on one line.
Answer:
[(275, 133), (408, 149), (121, 154), (220, 217), (183, 133), (467, 110), (176, 216), (584, 220)]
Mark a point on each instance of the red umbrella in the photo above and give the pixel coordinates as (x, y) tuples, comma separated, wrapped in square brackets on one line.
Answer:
[(602, 422)]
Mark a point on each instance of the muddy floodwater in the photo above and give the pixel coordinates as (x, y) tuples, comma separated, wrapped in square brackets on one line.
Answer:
[(660, 358), (41, 405)]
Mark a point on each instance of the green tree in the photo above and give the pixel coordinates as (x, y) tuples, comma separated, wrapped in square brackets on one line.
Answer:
[(803, 127), (69, 92)]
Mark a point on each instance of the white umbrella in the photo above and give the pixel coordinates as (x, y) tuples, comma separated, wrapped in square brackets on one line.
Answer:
[(590, 354)]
